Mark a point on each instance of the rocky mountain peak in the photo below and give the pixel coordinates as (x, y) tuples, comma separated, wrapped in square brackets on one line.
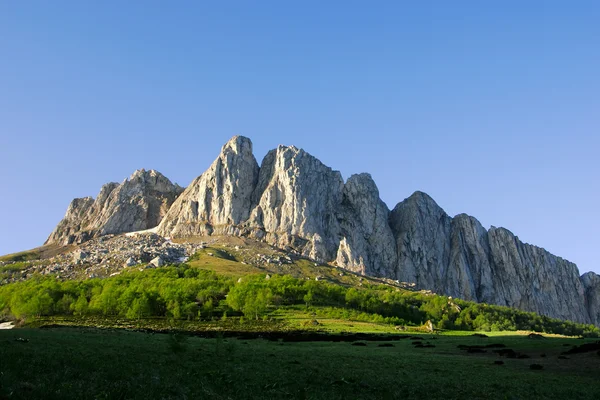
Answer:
[(238, 144), (138, 203), (423, 202), (142, 174), (218, 200)]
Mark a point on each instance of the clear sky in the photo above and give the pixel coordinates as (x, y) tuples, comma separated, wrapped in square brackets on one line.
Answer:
[(491, 107)]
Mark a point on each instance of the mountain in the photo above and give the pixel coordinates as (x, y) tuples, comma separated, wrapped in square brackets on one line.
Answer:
[(138, 203), (458, 257), (296, 203)]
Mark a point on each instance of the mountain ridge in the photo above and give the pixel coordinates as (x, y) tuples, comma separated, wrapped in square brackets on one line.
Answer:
[(295, 202)]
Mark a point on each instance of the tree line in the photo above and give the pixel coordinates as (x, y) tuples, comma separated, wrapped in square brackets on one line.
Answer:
[(183, 292)]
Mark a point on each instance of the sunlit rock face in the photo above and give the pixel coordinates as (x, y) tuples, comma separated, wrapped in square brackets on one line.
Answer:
[(139, 203), (220, 199), (296, 203)]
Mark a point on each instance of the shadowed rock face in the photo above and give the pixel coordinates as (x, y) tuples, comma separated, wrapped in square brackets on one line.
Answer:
[(422, 232), (591, 286), (295, 202), (367, 242), (458, 257), (138, 203), (530, 278)]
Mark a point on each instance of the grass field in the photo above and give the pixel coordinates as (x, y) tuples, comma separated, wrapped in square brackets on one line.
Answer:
[(72, 363)]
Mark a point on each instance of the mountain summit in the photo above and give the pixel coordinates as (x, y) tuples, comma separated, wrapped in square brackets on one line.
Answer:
[(139, 203), (295, 202)]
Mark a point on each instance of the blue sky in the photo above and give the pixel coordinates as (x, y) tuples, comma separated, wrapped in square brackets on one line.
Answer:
[(492, 108)]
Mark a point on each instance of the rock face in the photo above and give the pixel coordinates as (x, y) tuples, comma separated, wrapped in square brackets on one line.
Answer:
[(295, 202), (219, 200), (591, 285), (422, 232), (367, 244), (138, 203), (458, 257), (530, 278), (292, 201)]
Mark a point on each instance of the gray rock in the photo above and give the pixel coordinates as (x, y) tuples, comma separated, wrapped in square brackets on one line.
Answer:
[(157, 261), (422, 234), (530, 278), (297, 199), (130, 262), (138, 203), (469, 274), (591, 286), (219, 199), (457, 257), (367, 243), (79, 256)]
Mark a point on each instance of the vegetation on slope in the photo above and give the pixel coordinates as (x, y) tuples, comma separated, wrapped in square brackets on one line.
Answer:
[(193, 293), (22, 256)]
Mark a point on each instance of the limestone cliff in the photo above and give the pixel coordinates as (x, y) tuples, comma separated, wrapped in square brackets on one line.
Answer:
[(295, 203), (219, 200), (591, 286), (139, 203), (292, 201), (367, 241), (458, 257)]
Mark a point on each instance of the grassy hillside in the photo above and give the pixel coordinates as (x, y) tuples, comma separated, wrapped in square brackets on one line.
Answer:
[(198, 296), (89, 363), (37, 253)]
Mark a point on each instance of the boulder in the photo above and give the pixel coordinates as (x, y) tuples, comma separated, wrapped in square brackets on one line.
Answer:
[(157, 261)]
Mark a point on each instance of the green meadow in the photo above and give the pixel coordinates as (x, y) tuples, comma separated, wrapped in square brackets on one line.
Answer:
[(91, 363)]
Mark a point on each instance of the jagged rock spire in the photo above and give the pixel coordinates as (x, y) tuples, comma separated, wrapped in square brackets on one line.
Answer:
[(218, 200)]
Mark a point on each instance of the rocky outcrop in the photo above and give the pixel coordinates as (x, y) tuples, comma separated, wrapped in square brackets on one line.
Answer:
[(139, 203), (530, 278), (591, 287), (469, 272), (296, 200), (458, 257), (422, 234), (367, 244), (220, 199), (293, 201)]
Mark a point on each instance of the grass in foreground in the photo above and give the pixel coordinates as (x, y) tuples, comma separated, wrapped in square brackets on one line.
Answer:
[(68, 363)]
